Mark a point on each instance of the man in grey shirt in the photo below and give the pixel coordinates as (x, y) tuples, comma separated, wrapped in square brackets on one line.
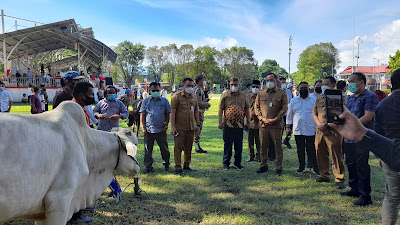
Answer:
[(110, 110), (154, 116)]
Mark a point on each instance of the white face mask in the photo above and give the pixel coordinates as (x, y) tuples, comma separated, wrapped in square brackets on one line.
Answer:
[(234, 89), (283, 86), (255, 90), (189, 90), (270, 85), (204, 83), (324, 88)]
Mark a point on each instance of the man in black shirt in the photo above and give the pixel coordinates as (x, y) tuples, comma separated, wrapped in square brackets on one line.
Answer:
[(68, 82)]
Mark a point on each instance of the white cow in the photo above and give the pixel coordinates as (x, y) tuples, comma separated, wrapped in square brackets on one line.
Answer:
[(52, 164)]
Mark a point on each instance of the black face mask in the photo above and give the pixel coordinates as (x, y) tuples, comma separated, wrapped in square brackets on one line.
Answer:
[(303, 93), (89, 100), (318, 90)]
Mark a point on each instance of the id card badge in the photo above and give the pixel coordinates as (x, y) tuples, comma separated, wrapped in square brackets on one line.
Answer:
[(192, 108), (270, 104)]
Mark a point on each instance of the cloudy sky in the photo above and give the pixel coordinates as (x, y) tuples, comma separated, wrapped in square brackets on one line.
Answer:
[(261, 25)]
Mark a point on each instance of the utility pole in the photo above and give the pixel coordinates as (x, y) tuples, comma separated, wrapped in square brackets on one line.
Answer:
[(4, 44), (290, 53), (359, 41)]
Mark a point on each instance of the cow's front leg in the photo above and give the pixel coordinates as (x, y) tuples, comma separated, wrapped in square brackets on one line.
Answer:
[(57, 204)]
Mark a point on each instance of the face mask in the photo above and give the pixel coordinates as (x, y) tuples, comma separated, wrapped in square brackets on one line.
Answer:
[(270, 85), (255, 90), (283, 86), (324, 88), (204, 83), (2, 89), (234, 89), (155, 94), (318, 90), (352, 87), (111, 97), (371, 88), (89, 100), (303, 93), (189, 90)]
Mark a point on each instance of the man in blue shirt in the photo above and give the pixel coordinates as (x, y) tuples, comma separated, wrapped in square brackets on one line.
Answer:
[(363, 105), (109, 110), (154, 116), (387, 123)]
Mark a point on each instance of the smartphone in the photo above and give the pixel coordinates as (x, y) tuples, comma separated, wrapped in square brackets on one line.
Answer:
[(334, 106)]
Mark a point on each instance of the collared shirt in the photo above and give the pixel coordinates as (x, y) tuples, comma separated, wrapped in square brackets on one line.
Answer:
[(109, 108), (271, 104), (5, 99), (381, 94), (201, 97), (185, 109), (366, 101), (234, 106), (85, 111), (253, 117), (289, 94), (300, 115), (387, 116), (155, 109)]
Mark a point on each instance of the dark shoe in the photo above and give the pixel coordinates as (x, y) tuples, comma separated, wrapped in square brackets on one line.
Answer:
[(286, 142), (166, 167), (201, 151), (350, 193), (189, 168), (262, 169), (299, 171), (180, 172), (316, 172), (148, 170), (363, 201), (322, 180), (278, 173), (259, 160), (340, 185), (249, 160), (238, 166), (83, 219), (269, 159), (226, 167)]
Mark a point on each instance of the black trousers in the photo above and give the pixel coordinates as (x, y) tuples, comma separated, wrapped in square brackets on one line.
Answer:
[(161, 139), (232, 137), (306, 144), (359, 170)]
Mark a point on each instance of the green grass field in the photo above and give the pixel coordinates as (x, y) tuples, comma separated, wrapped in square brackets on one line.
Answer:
[(213, 196)]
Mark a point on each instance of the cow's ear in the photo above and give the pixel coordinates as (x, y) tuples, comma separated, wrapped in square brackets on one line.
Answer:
[(128, 133), (131, 149)]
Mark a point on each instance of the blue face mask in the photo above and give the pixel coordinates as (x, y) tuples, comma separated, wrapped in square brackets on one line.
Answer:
[(155, 94), (111, 97), (352, 87), (2, 88)]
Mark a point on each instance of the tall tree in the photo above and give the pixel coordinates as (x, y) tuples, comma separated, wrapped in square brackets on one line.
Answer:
[(157, 61), (271, 66), (316, 62), (129, 59), (394, 62), (240, 62), (185, 56), (171, 52)]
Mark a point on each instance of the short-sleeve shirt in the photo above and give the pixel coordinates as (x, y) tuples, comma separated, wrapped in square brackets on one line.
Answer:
[(35, 100), (60, 97), (253, 117), (367, 101), (109, 108), (234, 106), (5, 99), (156, 110), (185, 108)]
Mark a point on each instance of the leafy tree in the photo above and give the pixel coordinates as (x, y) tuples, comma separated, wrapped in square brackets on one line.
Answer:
[(205, 63), (316, 62), (171, 52), (184, 57), (157, 61), (129, 59), (1, 68), (239, 62), (394, 62), (271, 66)]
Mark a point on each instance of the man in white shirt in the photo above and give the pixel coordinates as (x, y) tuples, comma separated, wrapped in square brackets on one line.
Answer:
[(299, 115), (5, 98)]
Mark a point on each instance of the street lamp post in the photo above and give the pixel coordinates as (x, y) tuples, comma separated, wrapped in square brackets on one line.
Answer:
[(359, 41), (290, 53)]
